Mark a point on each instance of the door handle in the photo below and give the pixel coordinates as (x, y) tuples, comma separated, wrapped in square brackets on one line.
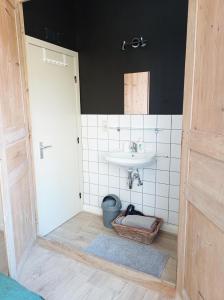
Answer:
[(42, 148)]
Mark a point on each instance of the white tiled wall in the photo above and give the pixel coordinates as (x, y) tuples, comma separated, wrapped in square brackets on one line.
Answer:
[(159, 194)]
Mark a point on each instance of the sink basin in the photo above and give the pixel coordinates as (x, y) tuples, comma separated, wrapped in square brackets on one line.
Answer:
[(131, 160)]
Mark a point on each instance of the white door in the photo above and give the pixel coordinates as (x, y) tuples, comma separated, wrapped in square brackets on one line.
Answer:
[(54, 101)]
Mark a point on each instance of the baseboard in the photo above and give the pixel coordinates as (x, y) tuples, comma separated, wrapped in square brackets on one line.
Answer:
[(98, 211)]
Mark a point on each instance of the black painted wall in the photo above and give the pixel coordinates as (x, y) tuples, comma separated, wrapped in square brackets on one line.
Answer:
[(51, 21), (96, 28)]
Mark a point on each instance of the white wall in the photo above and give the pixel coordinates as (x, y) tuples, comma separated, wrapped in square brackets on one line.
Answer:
[(159, 194)]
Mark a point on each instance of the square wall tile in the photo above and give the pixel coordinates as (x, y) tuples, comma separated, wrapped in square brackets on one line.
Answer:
[(125, 135), (148, 211), (136, 135), (101, 157), (84, 121), (137, 121), (150, 147), (84, 143), (149, 187), (113, 121), (124, 205), (93, 178), (163, 136), (86, 188), (93, 189), (136, 187), (86, 199), (176, 136), (92, 120), (177, 121), (85, 154), (162, 202), (125, 121), (103, 190), (161, 213), (84, 132), (114, 134), (162, 176), (114, 191), (163, 163), (124, 183), (102, 133), (162, 190), (149, 200), (102, 120), (92, 132), (103, 179), (173, 218), (125, 196), (114, 145), (175, 164), (93, 155), (175, 150), (103, 145), (173, 204), (150, 121), (164, 121), (103, 168), (163, 149), (85, 176), (149, 136), (93, 167), (85, 166), (123, 173), (114, 182), (94, 200), (174, 192), (114, 170), (136, 198), (175, 178), (149, 175), (92, 143)]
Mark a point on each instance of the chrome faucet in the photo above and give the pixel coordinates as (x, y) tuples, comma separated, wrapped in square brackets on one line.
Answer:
[(133, 147)]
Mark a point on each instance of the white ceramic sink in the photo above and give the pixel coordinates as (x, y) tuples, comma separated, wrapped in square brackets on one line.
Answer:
[(131, 159)]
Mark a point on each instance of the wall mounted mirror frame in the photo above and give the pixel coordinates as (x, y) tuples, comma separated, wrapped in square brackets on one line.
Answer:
[(136, 93)]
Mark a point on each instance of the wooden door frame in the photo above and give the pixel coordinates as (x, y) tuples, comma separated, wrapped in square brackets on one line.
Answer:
[(42, 44), (13, 268)]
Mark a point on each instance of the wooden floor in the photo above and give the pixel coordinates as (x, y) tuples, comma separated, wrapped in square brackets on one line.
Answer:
[(56, 277), (3, 257), (81, 230)]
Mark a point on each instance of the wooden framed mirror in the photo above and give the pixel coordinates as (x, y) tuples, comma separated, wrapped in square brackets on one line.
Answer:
[(136, 93)]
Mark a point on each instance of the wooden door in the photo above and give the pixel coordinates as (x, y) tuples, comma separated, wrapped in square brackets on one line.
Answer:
[(201, 234), (16, 169)]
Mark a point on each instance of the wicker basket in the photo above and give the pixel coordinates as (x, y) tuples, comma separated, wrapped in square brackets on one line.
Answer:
[(141, 235)]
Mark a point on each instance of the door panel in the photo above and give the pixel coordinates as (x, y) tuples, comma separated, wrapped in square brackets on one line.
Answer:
[(54, 117), (201, 232), (204, 263), (16, 166)]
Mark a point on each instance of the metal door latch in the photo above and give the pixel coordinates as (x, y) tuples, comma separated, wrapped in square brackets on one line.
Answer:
[(42, 148)]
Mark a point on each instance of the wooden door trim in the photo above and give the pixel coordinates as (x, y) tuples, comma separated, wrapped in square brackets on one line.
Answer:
[(23, 135), (187, 109)]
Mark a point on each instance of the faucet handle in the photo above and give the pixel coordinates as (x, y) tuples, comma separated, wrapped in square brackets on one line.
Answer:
[(133, 146)]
